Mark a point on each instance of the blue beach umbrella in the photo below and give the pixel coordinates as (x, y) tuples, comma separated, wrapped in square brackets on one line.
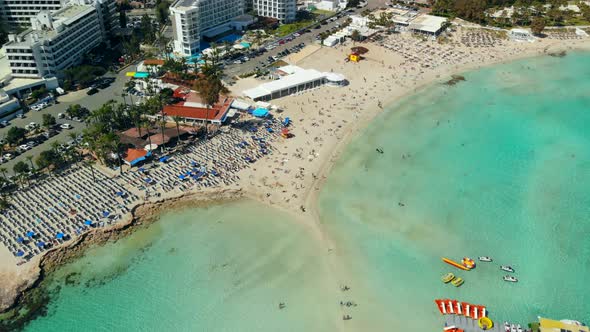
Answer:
[(105, 214), (181, 176), (147, 180), (59, 236), (30, 233), (40, 244), (20, 253), (119, 193), (20, 239), (88, 222)]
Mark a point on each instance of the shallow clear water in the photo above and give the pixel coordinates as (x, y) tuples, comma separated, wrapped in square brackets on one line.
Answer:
[(497, 165), (223, 268)]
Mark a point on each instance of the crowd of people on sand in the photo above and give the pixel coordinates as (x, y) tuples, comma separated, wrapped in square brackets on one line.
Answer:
[(65, 205), (53, 210)]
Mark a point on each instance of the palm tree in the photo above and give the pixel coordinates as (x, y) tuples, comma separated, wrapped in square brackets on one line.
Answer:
[(90, 163), (162, 124), (177, 119), (30, 159), (74, 138), (147, 123)]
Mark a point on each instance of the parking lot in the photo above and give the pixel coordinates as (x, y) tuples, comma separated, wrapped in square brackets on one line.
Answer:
[(289, 42), (91, 102)]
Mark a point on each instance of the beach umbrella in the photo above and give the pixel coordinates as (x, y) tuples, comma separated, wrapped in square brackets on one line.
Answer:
[(30, 233), (88, 222), (181, 176), (164, 159), (20, 239), (59, 236), (105, 214), (360, 50), (193, 163), (119, 193), (20, 253), (40, 244), (147, 180)]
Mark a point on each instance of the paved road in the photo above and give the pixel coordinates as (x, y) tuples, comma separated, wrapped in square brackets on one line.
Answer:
[(79, 97), (259, 61)]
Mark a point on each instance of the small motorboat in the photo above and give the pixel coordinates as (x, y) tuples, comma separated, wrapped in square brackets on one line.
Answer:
[(346, 317), (485, 259), (518, 328), (457, 282), (510, 279), (507, 268), (512, 328), (506, 327), (448, 278)]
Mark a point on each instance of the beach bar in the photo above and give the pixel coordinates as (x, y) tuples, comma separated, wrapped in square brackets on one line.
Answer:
[(292, 80)]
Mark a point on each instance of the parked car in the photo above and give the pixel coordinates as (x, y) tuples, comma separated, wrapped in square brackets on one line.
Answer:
[(60, 115), (66, 126), (92, 91), (8, 156)]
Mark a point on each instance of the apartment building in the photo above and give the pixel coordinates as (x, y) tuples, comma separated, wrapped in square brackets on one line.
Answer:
[(282, 10), (194, 19), (55, 41), (20, 12)]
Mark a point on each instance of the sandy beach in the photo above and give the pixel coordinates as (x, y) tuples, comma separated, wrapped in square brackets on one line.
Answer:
[(324, 121)]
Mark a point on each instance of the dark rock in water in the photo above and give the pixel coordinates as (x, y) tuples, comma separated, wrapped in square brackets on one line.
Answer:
[(72, 279), (455, 79), (559, 54)]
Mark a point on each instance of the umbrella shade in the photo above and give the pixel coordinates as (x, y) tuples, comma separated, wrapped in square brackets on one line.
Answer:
[(20, 239), (119, 193), (105, 213), (164, 159), (359, 49), (40, 244), (30, 233), (88, 222), (182, 177), (147, 180), (59, 236), (20, 253)]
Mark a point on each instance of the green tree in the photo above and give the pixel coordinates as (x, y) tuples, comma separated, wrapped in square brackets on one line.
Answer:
[(537, 25), (48, 121), (21, 169), (15, 135)]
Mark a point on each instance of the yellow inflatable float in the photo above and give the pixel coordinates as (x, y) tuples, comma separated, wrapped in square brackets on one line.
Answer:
[(485, 323)]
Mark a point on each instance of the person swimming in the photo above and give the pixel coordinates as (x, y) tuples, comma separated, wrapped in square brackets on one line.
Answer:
[(379, 150)]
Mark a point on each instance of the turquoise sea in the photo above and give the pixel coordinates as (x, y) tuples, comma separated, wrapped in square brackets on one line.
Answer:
[(498, 165)]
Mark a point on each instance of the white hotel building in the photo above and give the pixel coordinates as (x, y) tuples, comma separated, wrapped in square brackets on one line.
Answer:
[(55, 41), (282, 10), (194, 19), (20, 12)]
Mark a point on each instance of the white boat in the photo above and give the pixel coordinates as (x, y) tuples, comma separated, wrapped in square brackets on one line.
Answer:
[(506, 327), (512, 328), (510, 279), (485, 259), (507, 268), (518, 328)]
